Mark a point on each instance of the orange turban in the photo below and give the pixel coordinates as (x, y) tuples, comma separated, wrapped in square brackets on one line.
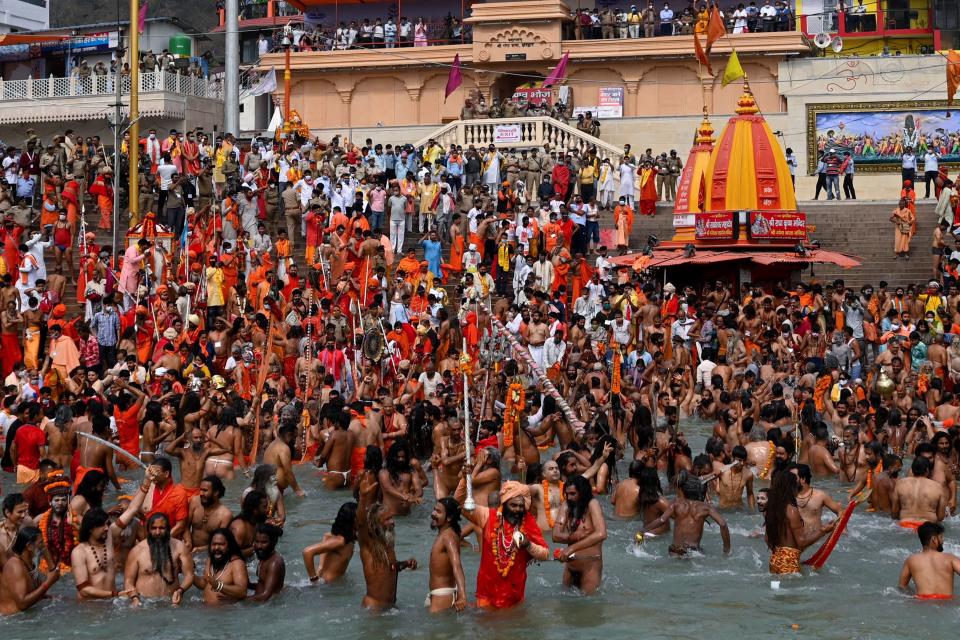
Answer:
[(59, 311), (513, 489)]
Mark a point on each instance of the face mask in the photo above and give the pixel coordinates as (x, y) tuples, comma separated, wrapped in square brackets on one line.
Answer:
[(153, 136)]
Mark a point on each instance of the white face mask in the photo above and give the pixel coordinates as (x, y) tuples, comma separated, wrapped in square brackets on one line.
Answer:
[(153, 136)]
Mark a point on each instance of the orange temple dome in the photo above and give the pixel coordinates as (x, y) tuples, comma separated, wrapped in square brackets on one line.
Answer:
[(692, 186), (747, 170)]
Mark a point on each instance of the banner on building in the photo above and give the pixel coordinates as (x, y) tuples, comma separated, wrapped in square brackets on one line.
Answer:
[(533, 95), (777, 225), (507, 133), (720, 225), (610, 104)]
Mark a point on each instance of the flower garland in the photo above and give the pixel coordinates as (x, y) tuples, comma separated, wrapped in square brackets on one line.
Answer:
[(516, 401), (63, 546), (769, 465), (509, 550), (615, 375), (546, 501), (823, 384)]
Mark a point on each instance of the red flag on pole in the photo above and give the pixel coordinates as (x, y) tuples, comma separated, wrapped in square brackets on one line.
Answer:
[(455, 79), (715, 28), (953, 77), (701, 56), (559, 72), (142, 17)]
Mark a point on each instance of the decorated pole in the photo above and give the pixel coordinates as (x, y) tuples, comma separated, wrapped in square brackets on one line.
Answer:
[(524, 355), (468, 504)]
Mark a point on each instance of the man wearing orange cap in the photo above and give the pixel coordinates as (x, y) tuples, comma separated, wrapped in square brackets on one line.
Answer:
[(55, 526), (511, 540)]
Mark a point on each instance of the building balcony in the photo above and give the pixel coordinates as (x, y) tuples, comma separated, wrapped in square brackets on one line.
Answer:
[(900, 23), (161, 95)]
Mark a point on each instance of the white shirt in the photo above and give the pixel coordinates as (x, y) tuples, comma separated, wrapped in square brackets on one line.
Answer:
[(165, 171), (704, 372), (931, 161)]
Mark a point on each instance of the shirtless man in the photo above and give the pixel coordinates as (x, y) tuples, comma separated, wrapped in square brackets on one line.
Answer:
[(786, 533), (337, 449), (852, 457), (280, 454), (811, 502), (450, 461), (375, 531), (365, 429), (881, 498), (160, 566), (485, 474), (732, 482), (15, 510), (917, 498), (94, 455), (60, 438), (93, 559), (447, 582), (942, 470), (207, 513), (546, 508), (193, 457), (19, 589), (580, 525), (931, 570), (336, 548), (399, 483), (271, 568), (254, 510), (690, 513), (225, 578), (818, 456)]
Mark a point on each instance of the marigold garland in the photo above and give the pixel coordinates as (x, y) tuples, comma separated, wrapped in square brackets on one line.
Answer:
[(516, 401), (615, 375), (546, 501), (44, 525), (769, 465), (823, 384)]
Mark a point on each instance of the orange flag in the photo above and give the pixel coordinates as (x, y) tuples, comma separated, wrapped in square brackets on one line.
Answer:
[(715, 28), (953, 77), (701, 55)]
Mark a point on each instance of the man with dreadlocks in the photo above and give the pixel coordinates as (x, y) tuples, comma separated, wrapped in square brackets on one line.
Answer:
[(225, 578), (336, 548), (580, 525), (399, 483), (375, 531), (448, 586), (160, 566), (786, 535), (94, 564), (56, 530), (511, 540), (691, 513)]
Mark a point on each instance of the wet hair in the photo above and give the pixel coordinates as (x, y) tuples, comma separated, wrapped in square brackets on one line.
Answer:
[(25, 537), (452, 509), (344, 524), (692, 487), (927, 531), (920, 467), (272, 531), (649, 483), (261, 477), (93, 518), (216, 483), (233, 547), (782, 494), (576, 511), (89, 487), (373, 458), (249, 505), (803, 472)]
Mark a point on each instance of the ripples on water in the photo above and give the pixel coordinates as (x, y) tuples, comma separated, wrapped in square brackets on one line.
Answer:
[(645, 593)]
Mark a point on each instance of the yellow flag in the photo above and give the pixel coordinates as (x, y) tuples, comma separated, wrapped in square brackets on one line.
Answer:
[(733, 70)]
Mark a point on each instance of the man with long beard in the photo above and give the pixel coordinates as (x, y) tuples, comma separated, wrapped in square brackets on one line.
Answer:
[(159, 566), (375, 529), (399, 483), (94, 564), (272, 569), (207, 513), (511, 539), (55, 527), (225, 579)]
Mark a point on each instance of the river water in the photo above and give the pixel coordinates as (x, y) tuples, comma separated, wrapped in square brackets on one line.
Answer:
[(645, 592)]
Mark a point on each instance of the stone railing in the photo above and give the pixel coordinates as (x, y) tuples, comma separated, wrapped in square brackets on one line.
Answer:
[(74, 86), (520, 133)]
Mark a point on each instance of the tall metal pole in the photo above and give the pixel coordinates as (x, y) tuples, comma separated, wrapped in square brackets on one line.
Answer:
[(117, 124), (231, 72), (133, 149)]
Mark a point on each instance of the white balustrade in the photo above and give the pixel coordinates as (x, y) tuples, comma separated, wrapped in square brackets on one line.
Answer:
[(72, 86)]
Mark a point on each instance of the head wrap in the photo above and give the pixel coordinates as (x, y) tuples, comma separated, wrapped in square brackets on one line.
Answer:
[(512, 489)]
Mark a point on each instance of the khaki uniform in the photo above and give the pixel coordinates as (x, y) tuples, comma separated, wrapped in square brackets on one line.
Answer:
[(608, 20), (675, 166), (512, 164), (532, 174)]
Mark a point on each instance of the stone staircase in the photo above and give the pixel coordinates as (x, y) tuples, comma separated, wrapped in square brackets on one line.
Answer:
[(520, 133)]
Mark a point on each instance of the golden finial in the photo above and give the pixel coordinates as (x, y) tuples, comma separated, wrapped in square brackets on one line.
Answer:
[(705, 130), (747, 104)]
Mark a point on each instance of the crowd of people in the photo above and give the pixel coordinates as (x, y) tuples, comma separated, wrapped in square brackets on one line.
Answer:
[(376, 33), (267, 317)]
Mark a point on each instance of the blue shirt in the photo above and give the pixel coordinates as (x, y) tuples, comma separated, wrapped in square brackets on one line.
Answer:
[(431, 253), (107, 328), (26, 187)]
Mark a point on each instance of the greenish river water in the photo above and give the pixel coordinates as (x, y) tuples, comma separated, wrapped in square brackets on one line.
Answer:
[(646, 594)]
